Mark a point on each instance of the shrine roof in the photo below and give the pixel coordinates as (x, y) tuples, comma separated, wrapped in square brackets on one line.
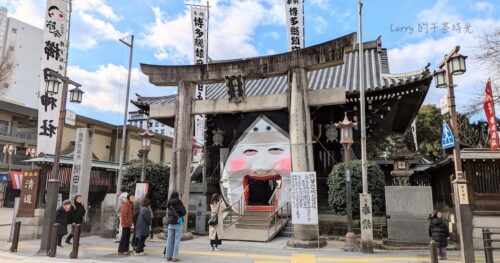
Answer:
[(346, 75)]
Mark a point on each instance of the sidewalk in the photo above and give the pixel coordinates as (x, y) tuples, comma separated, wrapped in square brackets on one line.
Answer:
[(96, 249), (5, 222)]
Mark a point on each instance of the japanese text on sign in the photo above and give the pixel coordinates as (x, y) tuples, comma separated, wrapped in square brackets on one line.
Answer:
[(304, 198), (199, 16), (29, 192), (295, 24), (54, 48)]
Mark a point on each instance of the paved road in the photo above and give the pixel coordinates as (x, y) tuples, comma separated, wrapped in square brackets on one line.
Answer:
[(95, 249)]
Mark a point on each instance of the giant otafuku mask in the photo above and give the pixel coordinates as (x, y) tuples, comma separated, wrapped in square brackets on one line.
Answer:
[(258, 167)]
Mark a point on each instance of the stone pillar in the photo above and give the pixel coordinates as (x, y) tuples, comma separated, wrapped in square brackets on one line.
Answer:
[(301, 147), (183, 143)]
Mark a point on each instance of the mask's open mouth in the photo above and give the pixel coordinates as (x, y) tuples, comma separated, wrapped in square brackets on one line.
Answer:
[(262, 192)]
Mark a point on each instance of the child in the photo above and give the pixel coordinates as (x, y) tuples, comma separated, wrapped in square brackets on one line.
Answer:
[(438, 231)]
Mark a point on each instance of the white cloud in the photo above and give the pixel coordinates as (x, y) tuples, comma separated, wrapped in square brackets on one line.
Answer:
[(483, 6), (105, 88), (319, 24), (91, 21), (432, 48), (232, 28)]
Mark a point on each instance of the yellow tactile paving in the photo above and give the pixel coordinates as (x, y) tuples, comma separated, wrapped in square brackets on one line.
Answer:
[(303, 258)]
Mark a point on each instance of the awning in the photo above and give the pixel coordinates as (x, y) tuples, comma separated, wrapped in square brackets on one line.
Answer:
[(69, 161)]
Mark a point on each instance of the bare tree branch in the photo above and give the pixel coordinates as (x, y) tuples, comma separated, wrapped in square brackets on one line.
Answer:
[(6, 69)]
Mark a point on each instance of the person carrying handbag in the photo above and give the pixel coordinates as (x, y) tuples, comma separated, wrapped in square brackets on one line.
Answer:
[(216, 225), (175, 220)]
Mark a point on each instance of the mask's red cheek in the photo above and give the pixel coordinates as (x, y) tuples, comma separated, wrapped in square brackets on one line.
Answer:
[(238, 164), (284, 165)]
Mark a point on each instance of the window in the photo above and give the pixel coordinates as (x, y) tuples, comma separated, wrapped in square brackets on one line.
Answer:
[(14, 30), (4, 127), (401, 165), (150, 124), (156, 124), (162, 131), (140, 125)]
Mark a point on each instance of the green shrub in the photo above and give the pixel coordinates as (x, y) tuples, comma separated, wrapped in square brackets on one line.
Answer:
[(156, 174), (336, 188)]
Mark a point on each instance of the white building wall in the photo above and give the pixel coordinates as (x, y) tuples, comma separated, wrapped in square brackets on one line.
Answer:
[(136, 119), (26, 40), (3, 27)]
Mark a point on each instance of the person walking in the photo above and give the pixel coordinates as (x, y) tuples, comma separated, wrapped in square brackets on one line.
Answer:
[(121, 199), (216, 231), (126, 218), (144, 220), (439, 232), (62, 219), (75, 217), (175, 220)]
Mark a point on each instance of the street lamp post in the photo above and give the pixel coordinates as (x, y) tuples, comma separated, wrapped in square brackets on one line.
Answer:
[(53, 80), (454, 64), (146, 147), (347, 139)]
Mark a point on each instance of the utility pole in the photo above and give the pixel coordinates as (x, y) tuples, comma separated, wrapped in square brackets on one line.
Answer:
[(365, 198), (124, 128)]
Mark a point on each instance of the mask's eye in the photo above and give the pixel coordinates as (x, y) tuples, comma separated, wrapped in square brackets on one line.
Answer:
[(250, 152), (275, 151)]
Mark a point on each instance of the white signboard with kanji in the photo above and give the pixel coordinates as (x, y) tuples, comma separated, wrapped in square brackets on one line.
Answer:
[(82, 162), (199, 16), (55, 47), (295, 24), (304, 198)]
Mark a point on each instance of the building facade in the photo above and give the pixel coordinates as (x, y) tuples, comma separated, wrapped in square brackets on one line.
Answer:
[(23, 41), (140, 120)]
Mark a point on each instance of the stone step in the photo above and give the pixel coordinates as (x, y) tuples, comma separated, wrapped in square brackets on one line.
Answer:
[(252, 226)]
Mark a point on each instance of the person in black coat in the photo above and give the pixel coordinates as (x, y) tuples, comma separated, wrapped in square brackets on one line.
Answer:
[(439, 232), (62, 219), (142, 225), (75, 217)]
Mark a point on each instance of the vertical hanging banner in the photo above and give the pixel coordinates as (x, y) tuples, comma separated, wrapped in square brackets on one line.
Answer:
[(82, 162), (55, 47), (295, 24), (199, 16), (489, 110)]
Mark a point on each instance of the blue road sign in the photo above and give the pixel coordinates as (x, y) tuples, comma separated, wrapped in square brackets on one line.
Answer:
[(447, 140)]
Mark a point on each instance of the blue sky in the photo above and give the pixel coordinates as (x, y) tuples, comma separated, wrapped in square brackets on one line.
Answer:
[(242, 28)]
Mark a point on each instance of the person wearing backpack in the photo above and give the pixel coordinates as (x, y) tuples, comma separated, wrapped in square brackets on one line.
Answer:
[(175, 220), (216, 226)]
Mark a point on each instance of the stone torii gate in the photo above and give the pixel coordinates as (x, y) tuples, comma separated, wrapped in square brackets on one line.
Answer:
[(294, 64)]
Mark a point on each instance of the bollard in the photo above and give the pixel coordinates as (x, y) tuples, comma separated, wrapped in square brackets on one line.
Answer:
[(53, 240), (15, 238), (488, 249), (76, 242), (433, 250)]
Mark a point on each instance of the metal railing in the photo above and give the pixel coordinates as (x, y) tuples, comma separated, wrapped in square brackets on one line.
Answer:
[(488, 244), (282, 213), (241, 209)]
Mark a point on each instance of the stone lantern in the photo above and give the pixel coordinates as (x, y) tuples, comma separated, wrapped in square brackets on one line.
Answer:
[(401, 157)]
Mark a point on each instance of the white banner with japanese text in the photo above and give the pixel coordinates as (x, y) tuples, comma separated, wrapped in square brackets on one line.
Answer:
[(295, 24), (82, 164), (304, 198), (199, 16), (55, 48)]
